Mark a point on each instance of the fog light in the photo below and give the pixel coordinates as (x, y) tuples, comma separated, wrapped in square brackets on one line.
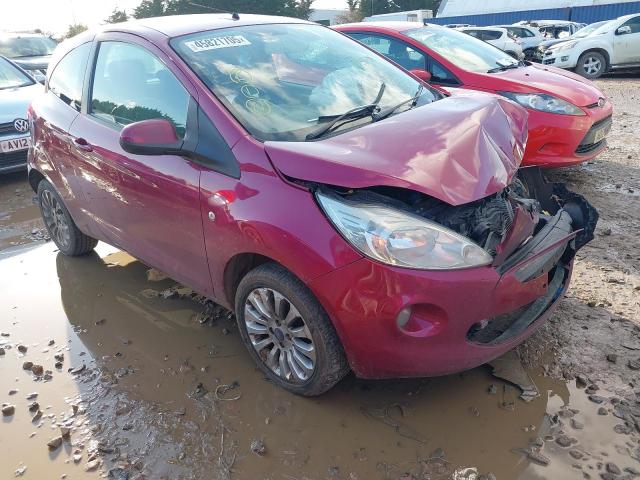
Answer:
[(403, 317), (564, 59), (421, 320)]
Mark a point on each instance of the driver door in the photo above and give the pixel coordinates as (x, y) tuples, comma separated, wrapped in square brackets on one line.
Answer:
[(149, 205), (626, 46)]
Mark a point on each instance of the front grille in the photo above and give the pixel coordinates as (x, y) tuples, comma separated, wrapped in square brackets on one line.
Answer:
[(549, 61), (594, 105), (507, 326), (7, 128), (13, 159), (589, 147), (600, 122)]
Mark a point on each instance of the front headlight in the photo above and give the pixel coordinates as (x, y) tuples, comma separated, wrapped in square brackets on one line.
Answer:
[(564, 46), (544, 103), (401, 239)]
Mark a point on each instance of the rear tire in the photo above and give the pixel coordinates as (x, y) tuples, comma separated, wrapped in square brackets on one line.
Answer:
[(591, 65), (61, 227), (287, 332)]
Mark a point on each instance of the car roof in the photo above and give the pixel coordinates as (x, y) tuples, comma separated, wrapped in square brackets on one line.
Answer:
[(549, 23), (177, 25), (395, 26), (499, 29)]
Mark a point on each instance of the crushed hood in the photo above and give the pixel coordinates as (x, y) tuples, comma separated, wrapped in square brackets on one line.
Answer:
[(458, 149)]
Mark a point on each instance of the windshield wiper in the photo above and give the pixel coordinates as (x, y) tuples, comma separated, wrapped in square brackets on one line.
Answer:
[(389, 111), (502, 68), (353, 114)]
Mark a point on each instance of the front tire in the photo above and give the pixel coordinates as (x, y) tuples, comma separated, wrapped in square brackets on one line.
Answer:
[(287, 332), (591, 65), (61, 227)]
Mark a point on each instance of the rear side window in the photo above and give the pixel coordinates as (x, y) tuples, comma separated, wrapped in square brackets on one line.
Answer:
[(491, 35), (67, 78), (131, 84), (474, 33)]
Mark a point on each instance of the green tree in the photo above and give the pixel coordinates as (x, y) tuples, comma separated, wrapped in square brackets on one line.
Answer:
[(403, 5), (150, 8), (75, 29), (117, 16), (292, 8), (375, 7), (300, 9), (353, 13)]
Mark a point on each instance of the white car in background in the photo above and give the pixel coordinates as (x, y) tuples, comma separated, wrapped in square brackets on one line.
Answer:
[(530, 38), (498, 37), (583, 32), (613, 46)]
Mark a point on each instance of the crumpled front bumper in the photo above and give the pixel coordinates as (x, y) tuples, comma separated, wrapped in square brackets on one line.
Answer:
[(460, 318)]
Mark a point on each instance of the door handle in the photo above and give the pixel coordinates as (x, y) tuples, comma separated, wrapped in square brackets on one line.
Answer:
[(82, 144)]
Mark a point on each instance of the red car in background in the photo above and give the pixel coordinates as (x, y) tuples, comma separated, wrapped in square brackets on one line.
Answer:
[(569, 117)]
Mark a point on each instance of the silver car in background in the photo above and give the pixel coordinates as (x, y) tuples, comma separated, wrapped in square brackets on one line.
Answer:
[(17, 89), (31, 51)]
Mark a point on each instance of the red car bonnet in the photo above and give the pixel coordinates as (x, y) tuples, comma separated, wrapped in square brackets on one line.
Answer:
[(458, 149), (538, 78)]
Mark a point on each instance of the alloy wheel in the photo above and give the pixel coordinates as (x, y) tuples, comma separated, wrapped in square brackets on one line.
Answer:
[(592, 65), (279, 335), (55, 219)]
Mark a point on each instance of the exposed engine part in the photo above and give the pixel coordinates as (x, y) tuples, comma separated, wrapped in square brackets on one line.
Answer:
[(485, 221), (488, 221), (554, 196)]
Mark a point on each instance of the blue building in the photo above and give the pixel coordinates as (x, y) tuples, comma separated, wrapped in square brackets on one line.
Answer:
[(497, 12)]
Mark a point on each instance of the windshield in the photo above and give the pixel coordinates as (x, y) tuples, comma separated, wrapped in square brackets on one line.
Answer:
[(17, 47), (606, 27), (284, 81), (588, 30), (11, 77), (464, 51)]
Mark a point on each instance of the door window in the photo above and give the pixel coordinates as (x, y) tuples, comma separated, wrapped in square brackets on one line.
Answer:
[(130, 84), (67, 77), (396, 50), (488, 35), (633, 23), (439, 74)]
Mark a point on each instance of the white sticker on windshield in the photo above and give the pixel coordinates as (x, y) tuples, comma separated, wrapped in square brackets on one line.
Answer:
[(217, 42)]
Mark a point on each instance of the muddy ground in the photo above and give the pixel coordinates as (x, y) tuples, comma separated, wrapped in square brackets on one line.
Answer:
[(147, 386)]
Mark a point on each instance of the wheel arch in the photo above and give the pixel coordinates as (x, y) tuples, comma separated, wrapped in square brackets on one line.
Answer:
[(235, 270), (601, 51), (35, 177)]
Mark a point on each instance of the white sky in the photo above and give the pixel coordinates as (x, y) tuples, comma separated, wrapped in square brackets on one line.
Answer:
[(55, 15)]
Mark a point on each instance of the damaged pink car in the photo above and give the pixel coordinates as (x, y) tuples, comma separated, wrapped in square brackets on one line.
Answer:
[(350, 215)]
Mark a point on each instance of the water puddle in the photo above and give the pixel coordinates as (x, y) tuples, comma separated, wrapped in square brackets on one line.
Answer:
[(160, 394)]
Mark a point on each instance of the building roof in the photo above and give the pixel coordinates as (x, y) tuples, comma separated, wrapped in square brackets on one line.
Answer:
[(453, 8)]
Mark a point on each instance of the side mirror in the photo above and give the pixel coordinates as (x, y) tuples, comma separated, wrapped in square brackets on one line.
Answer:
[(421, 74), (150, 137), (623, 30)]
